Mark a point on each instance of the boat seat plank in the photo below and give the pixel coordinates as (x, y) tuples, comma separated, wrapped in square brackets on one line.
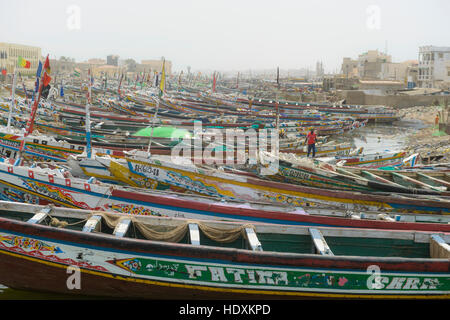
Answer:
[(439, 249), (378, 178), (351, 174), (416, 182), (92, 224), (122, 228), (194, 234), (435, 180), (253, 240), (320, 243), (40, 216)]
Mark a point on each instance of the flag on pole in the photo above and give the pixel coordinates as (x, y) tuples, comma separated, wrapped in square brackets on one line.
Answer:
[(45, 79), (39, 70), (214, 82), (278, 77), (88, 118), (162, 84), (24, 63), (45, 91), (47, 65)]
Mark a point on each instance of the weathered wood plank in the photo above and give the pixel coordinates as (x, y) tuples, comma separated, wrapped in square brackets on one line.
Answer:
[(122, 228), (92, 224), (194, 234), (320, 243), (375, 177), (418, 183), (40, 216), (439, 249), (436, 181), (253, 240)]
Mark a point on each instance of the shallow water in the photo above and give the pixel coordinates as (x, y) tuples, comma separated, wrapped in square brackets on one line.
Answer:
[(374, 138), (383, 137)]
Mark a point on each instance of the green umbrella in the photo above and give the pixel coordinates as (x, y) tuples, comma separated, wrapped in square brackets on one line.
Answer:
[(164, 132)]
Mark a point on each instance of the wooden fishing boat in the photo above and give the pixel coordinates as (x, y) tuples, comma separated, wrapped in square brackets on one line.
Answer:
[(318, 174), (375, 160), (137, 167), (36, 147), (373, 114), (425, 179), (88, 253), (326, 149), (42, 185)]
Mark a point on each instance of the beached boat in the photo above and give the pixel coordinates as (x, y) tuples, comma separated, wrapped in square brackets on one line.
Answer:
[(36, 147), (327, 149), (323, 175), (375, 160), (138, 167), (112, 255), (43, 185), (424, 178)]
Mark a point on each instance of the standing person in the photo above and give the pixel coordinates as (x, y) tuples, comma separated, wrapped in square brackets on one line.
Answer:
[(311, 140)]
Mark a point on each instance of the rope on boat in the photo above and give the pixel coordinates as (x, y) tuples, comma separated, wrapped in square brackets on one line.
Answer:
[(54, 222)]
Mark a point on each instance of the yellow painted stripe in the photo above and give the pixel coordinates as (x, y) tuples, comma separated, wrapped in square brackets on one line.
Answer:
[(228, 290), (39, 195), (198, 176), (375, 160), (52, 148)]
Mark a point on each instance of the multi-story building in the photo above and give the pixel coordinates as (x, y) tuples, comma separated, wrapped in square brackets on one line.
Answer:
[(156, 65), (319, 70), (112, 60), (370, 64), (10, 53), (349, 68), (397, 71), (434, 67), (63, 65)]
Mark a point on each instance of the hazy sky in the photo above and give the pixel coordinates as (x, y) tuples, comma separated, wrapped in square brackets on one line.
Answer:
[(227, 35)]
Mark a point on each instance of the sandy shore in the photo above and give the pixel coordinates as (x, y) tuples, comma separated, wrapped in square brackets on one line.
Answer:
[(423, 141)]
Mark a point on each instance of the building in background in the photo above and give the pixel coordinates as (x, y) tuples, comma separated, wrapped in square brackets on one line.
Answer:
[(10, 53), (349, 68), (112, 60), (370, 64), (155, 65), (397, 71), (319, 70), (62, 66), (96, 62), (434, 67)]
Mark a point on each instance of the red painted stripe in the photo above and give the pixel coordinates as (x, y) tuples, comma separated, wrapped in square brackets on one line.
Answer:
[(243, 212)]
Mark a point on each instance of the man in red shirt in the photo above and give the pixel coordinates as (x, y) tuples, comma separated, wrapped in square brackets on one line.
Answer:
[(311, 140)]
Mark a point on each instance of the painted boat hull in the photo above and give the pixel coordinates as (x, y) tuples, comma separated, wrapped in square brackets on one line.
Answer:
[(252, 189), (37, 257), (25, 185)]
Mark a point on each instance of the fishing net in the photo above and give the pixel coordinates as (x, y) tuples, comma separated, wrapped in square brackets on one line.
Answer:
[(176, 233)]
